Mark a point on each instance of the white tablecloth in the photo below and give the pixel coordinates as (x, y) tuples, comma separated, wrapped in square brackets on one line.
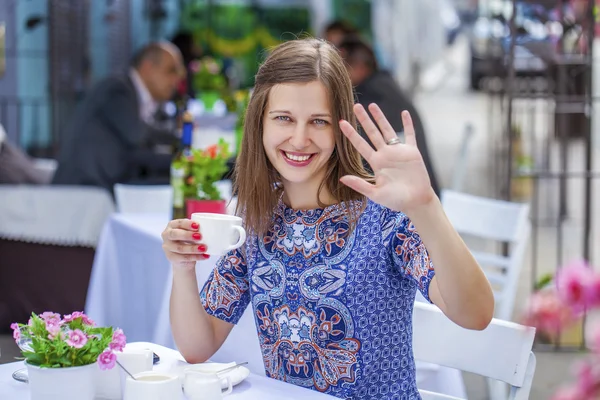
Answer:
[(254, 387), (130, 288), (55, 215)]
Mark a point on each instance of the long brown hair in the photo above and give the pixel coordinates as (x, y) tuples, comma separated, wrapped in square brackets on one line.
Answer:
[(255, 180)]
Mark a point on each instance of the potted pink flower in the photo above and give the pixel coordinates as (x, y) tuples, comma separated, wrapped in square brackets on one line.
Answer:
[(562, 301), (63, 354)]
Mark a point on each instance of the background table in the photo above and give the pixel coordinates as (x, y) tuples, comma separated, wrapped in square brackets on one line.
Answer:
[(254, 387), (130, 288)]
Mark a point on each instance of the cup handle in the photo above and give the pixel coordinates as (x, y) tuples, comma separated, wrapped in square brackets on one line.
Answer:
[(229, 386), (242, 233)]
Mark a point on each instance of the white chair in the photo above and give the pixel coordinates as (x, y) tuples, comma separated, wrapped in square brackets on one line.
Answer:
[(155, 199), (499, 221), (502, 351)]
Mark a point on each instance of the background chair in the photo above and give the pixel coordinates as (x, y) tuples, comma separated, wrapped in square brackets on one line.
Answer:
[(485, 219), (501, 352), (155, 199), (499, 221)]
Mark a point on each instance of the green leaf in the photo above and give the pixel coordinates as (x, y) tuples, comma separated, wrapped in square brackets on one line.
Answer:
[(544, 281)]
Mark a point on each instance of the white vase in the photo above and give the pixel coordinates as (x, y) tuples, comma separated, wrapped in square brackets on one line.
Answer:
[(72, 383)]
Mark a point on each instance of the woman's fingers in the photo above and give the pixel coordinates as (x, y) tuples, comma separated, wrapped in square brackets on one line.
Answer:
[(369, 126), (410, 137), (182, 242), (384, 125)]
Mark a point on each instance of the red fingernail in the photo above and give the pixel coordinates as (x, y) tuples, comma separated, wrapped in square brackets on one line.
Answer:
[(197, 236), (195, 225), (206, 256), (202, 248)]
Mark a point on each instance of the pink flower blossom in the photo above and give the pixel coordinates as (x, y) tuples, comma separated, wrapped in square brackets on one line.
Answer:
[(195, 66), (595, 291), (77, 339), (594, 340), (588, 380), (118, 340), (574, 285), (16, 331), (50, 317), (107, 360), (546, 312), (78, 314), (53, 331), (53, 324), (568, 393)]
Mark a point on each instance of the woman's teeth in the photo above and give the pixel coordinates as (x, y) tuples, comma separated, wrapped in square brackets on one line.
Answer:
[(297, 158)]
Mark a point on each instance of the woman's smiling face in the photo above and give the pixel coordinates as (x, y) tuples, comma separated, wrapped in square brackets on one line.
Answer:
[(298, 134)]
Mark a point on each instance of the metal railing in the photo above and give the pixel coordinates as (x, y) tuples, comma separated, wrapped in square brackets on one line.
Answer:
[(541, 144)]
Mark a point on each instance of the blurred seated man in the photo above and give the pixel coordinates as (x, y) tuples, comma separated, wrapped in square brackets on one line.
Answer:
[(373, 85), (114, 123), (336, 31)]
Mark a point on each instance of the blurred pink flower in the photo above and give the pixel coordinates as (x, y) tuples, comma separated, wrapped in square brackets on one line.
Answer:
[(546, 312), (16, 331), (568, 393), (77, 339), (78, 314), (107, 360), (574, 283), (118, 340), (588, 380), (195, 66), (593, 341), (594, 289)]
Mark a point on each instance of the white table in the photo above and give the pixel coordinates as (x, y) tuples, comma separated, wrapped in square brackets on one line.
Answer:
[(130, 288), (254, 387)]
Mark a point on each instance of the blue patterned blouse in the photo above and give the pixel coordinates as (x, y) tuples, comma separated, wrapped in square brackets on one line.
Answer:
[(333, 308)]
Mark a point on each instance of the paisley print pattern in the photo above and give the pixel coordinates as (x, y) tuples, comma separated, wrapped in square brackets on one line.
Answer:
[(332, 304)]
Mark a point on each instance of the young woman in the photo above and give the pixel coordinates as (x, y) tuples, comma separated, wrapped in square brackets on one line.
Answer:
[(333, 258)]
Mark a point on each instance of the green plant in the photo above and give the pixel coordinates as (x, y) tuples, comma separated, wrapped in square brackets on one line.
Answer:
[(207, 75), (204, 167), (49, 341)]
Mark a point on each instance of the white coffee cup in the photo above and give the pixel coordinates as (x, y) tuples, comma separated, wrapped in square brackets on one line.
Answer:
[(199, 385), (136, 360), (221, 233), (110, 383), (153, 385)]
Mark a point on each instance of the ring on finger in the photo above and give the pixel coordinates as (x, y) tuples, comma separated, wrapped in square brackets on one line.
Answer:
[(393, 141)]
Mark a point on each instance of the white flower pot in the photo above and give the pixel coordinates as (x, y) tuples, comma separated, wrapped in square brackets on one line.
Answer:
[(73, 383)]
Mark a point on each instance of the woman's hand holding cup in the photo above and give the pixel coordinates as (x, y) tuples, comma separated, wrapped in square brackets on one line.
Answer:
[(182, 243)]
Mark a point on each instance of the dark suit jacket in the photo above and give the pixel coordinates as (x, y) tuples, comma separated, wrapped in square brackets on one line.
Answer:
[(100, 144), (382, 89)]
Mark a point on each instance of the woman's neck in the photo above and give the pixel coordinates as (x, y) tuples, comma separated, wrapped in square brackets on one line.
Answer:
[(305, 197)]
